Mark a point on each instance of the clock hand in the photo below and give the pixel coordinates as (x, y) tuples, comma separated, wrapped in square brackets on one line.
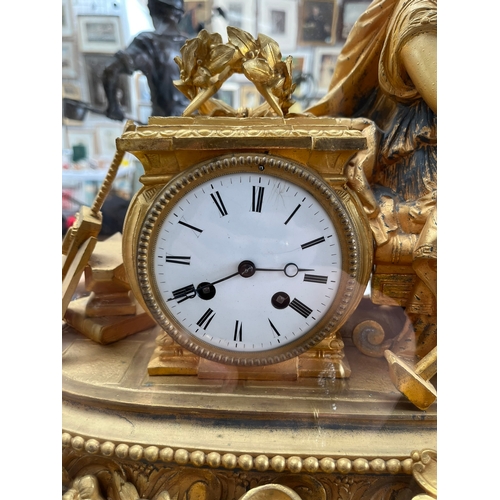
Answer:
[(246, 269), (206, 290), (291, 269), (223, 279)]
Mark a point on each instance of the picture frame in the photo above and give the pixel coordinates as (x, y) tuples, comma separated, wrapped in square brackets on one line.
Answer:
[(67, 19), (197, 14), (278, 19), (69, 60), (72, 90), (317, 22), (250, 97), (230, 94), (324, 67), (98, 7), (301, 63), (100, 34), (106, 137), (349, 12), (82, 137), (94, 67), (240, 14)]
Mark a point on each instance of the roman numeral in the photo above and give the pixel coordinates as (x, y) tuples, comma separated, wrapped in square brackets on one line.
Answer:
[(313, 278), (178, 259), (274, 328), (238, 331), (219, 203), (184, 293), (190, 226), (301, 308), (205, 320), (312, 243), (293, 213), (257, 200)]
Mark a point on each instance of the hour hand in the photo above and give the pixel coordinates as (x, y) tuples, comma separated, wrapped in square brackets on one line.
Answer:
[(205, 291), (184, 293)]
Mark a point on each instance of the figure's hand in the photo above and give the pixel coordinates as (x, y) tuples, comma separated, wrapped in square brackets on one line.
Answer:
[(115, 113)]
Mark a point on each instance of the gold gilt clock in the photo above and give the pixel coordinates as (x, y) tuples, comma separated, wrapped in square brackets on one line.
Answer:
[(248, 257), (245, 244), (245, 252)]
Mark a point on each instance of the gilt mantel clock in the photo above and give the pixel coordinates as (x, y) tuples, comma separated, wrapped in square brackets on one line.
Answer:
[(245, 244), (243, 255)]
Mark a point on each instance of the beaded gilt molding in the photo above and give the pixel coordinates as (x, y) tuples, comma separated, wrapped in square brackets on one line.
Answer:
[(260, 463)]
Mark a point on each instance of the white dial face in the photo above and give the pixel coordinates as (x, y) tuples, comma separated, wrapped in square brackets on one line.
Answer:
[(246, 262)]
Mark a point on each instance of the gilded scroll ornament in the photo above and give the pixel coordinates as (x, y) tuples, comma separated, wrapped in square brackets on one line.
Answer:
[(84, 488), (425, 473)]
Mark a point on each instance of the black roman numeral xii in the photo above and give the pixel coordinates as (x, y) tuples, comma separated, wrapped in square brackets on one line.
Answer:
[(257, 197)]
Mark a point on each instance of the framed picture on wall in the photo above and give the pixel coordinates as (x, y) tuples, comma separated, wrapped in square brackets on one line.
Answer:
[(67, 18), (324, 66), (82, 138), (69, 61), (100, 34), (239, 14), (250, 97), (71, 90), (317, 22), (349, 13), (106, 139), (301, 63), (94, 67), (99, 7), (278, 19), (196, 16), (229, 93)]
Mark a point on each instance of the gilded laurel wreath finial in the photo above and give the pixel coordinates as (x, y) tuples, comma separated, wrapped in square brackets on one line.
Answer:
[(206, 63)]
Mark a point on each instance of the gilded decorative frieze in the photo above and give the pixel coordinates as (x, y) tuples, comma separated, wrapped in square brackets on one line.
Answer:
[(189, 477)]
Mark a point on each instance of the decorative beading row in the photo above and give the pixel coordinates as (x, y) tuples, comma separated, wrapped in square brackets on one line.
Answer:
[(261, 463)]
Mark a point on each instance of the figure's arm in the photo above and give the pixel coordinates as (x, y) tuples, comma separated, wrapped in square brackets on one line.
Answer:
[(419, 57), (110, 79)]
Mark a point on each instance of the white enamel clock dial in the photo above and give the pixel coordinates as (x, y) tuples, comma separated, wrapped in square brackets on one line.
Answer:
[(244, 263)]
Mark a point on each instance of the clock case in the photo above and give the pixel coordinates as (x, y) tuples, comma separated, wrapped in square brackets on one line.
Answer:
[(168, 147)]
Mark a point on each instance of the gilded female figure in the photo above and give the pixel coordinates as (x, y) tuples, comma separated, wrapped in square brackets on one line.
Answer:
[(387, 72)]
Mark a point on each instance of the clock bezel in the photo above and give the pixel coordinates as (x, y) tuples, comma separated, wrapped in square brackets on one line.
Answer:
[(350, 289)]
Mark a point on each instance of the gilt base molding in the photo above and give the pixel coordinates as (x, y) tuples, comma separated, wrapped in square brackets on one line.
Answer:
[(128, 435)]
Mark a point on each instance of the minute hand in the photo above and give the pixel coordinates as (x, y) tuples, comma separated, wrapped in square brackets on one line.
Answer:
[(290, 269)]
